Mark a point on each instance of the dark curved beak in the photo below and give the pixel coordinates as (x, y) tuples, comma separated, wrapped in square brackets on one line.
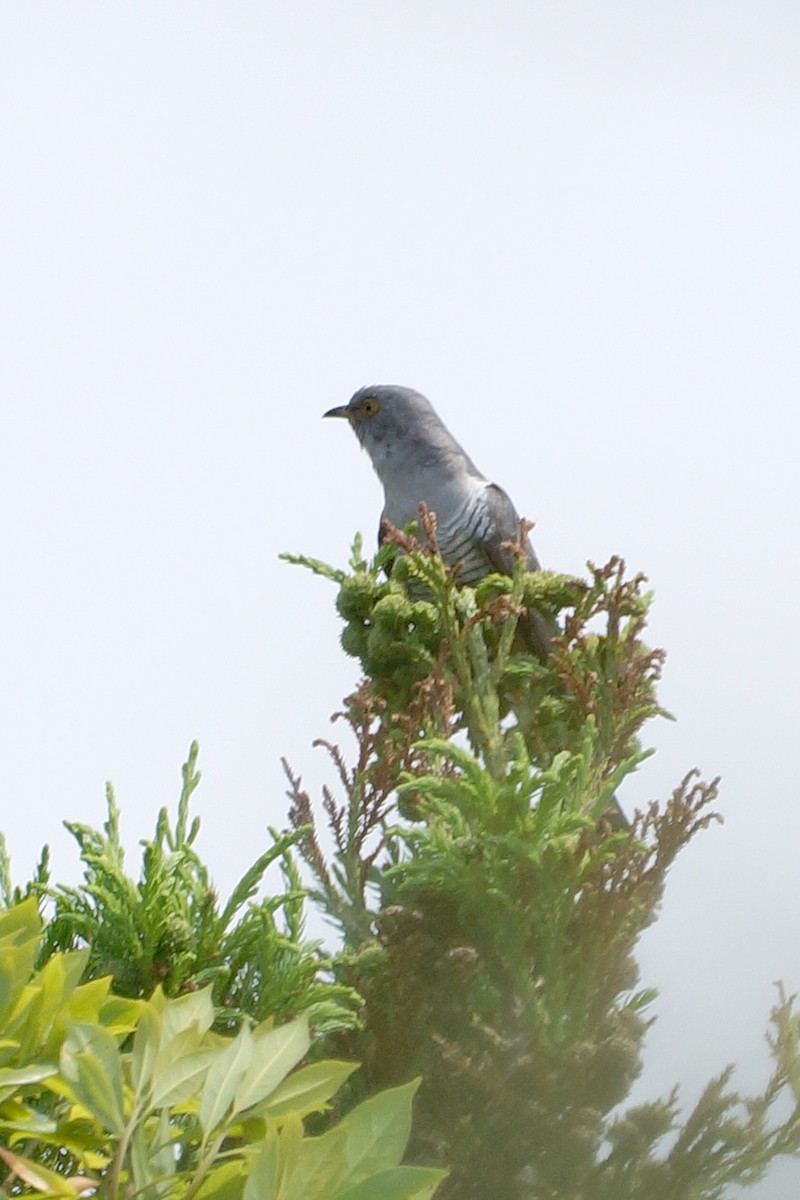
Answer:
[(342, 411)]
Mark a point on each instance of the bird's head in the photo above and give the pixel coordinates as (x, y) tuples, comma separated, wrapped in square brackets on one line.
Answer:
[(387, 419)]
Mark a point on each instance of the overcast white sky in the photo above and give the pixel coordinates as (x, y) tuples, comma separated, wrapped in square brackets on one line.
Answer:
[(574, 226)]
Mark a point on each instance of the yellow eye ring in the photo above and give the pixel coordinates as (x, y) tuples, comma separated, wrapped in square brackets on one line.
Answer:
[(370, 406)]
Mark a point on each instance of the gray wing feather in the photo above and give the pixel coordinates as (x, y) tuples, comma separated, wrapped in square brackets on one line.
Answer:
[(504, 527)]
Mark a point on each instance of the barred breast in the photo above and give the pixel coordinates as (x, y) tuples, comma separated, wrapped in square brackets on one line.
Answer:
[(462, 537)]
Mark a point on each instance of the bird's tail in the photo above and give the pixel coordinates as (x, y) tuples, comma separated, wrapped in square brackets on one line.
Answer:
[(537, 633)]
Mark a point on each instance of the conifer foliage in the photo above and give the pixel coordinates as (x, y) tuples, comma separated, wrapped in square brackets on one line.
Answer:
[(488, 901), (159, 1042)]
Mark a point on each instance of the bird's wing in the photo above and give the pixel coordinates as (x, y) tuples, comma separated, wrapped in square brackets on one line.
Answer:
[(503, 526)]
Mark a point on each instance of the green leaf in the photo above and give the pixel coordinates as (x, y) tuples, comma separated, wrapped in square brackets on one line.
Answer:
[(377, 1131), (41, 1028), (370, 1139), (169, 1058), (274, 1053), (120, 1014), (90, 1064), (145, 1048), (194, 1008), (152, 1153), (224, 1182), (17, 1116), (397, 1183), (318, 1168), (264, 1176), (19, 943), (297, 1160), (88, 1000), (38, 1177), (21, 924), (179, 1077), (144, 1170), (16, 1077), (309, 1089), (227, 1069)]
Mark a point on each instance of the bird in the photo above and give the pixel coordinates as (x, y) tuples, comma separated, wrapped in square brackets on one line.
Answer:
[(418, 460)]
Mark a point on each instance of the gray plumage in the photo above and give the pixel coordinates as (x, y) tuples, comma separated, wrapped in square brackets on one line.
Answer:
[(417, 459)]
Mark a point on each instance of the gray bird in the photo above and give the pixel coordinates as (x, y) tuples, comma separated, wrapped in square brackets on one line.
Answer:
[(417, 459)]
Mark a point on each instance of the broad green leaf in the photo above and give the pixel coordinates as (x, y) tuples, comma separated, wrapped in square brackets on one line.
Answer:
[(25, 1018), (182, 1058), (377, 1132), (44, 1180), (86, 1002), (181, 1078), (22, 923), (60, 1086), (178, 1045), (17, 1116), (224, 1076), (224, 1182), (90, 1064), (309, 1089), (120, 1014), (264, 1177), (143, 1170), (41, 1005), (152, 1153), (98, 1092), (274, 1053), (72, 964), (16, 965), (398, 1183), (293, 1149), (16, 1077), (194, 1008), (320, 1166), (145, 1048), (59, 994), (162, 1144), (84, 1139)]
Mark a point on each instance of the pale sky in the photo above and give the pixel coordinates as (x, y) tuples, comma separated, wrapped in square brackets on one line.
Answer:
[(574, 226)]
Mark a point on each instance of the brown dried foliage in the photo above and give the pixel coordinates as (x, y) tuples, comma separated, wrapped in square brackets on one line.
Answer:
[(385, 750), (406, 541)]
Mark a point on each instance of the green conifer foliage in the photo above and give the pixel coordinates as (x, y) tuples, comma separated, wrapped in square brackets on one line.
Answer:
[(488, 904), (169, 928)]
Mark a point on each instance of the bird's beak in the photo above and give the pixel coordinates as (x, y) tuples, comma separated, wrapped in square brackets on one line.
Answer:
[(342, 411)]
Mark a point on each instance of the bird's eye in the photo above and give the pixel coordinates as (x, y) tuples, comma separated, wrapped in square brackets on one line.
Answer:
[(370, 406)]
